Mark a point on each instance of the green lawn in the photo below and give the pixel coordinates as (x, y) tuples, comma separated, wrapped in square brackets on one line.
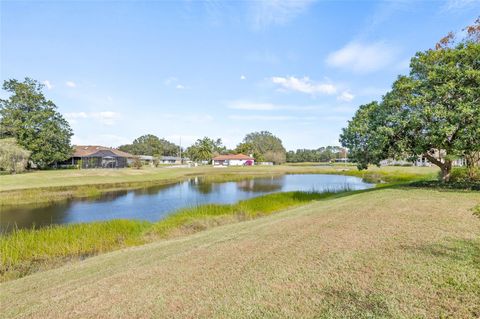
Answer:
[(386, 253), (43, 187)]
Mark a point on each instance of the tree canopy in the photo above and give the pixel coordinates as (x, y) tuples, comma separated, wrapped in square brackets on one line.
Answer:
[(264, 146), (151, 145), (433, 112), (34, 122), (322, 154), (206, 148)]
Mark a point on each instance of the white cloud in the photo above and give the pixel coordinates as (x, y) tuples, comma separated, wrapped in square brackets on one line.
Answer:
[(48, 84), (171, 80), (70, 84), (243, 77), (458, 4), (74, 116), (105, 117), (304, 85), (174, 82), (346, 96), (360, 57), (276, 12)]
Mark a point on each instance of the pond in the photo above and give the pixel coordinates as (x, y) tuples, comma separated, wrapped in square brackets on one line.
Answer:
[(155, 203)]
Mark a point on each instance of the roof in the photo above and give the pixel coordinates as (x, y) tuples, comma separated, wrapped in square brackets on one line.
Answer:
[(232, 157), (170, 158), (89, 150)]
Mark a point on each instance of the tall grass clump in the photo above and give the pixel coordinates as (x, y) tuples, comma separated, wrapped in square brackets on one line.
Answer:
[(476, 211), (197, 218), (26, 251)]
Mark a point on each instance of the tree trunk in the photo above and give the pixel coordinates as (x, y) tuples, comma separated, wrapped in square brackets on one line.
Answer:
[(446, 169), (472, 162)]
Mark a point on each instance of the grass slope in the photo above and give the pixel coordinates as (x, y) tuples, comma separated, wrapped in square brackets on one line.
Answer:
[(388, 253), (26, 251), (43, 187)]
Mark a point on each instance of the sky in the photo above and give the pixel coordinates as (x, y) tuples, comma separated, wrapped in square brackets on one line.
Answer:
[(182, 70)]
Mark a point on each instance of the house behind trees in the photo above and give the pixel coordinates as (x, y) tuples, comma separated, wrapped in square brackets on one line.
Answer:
[(88, 156)]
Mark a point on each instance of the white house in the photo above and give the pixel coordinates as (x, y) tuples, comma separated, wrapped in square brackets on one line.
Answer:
[(233, 160)]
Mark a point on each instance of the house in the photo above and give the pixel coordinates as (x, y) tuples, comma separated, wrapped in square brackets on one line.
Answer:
[(147, 159), (88, 156), (170, 160), (233, 160)]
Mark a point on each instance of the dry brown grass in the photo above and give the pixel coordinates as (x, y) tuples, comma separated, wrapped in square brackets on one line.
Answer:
[(390, 253)]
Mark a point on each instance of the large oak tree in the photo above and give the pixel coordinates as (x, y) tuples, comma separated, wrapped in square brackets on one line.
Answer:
[(432, 112), (34, 122)]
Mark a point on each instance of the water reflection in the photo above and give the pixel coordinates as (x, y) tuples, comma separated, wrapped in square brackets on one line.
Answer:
[(154, 203), (264, 185)]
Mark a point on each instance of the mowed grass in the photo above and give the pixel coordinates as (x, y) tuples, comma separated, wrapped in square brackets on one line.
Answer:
[(386, 253), (26, 251), (44, 187)]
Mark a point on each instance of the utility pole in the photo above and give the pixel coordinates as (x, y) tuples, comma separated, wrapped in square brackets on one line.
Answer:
[(181, 160)]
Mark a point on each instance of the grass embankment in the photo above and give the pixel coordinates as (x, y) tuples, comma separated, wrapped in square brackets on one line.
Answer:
[(26, 251), (386, 253), (44, 187)]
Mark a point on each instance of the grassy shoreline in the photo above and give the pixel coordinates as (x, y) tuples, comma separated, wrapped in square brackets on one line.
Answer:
[(393, 252), (46, 187), (29, 250)]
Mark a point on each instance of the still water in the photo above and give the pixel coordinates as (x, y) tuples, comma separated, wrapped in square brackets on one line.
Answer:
[(154, 203)]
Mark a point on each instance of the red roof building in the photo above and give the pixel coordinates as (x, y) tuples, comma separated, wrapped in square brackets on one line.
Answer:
[(233, 160)]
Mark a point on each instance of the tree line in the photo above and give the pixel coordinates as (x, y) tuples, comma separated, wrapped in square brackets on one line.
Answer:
[(34, 134), (150, 144), (263, 146), (322, 154), (434, 112)]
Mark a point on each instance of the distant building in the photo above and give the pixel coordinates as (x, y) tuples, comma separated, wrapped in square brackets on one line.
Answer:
[(170, 160), (88, 156), (342, 160), (233, 160), (146, 159)]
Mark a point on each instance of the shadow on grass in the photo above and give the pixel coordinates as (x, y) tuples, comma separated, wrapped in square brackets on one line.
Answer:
[(350, 303), (451, 186), (465, 251)]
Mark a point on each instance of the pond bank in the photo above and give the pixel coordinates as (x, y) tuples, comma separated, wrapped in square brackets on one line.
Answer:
[(45, 187), (155, 203), (27, 251)]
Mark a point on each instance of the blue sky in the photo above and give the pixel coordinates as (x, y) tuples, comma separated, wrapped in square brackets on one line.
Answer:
[(188, 69)]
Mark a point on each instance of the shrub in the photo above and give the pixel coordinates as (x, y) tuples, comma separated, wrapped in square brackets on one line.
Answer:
[(137, 163), (463, 174), (13, 158)]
